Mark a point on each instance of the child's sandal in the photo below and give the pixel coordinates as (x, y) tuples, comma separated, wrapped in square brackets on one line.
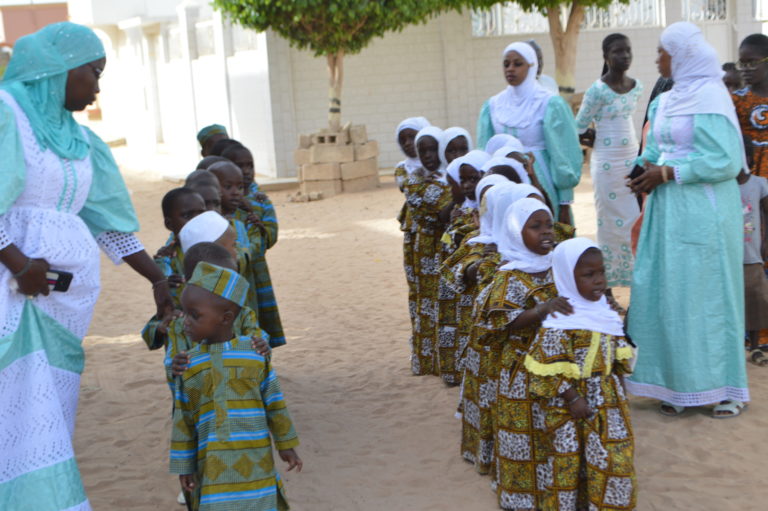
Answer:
[(758, 358)]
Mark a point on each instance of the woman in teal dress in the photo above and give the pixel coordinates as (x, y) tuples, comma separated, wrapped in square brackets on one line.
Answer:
[(542, 121), (687, 309)]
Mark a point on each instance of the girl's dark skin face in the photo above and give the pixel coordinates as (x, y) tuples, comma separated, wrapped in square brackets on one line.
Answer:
[(207, 317), (590, 275), (515, 68), (664, 63), (406, 138), (469, 178), (231, 180), (756, 76), (428, 150), (243, 159), (83, 85), (456, 148), (538, 233), (619, 56), (185, 208)]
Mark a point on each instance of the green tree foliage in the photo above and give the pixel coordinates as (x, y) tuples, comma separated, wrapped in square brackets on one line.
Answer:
[(334, 28)]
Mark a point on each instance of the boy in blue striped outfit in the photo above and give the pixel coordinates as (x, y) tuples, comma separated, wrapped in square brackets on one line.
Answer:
[(227, 404)]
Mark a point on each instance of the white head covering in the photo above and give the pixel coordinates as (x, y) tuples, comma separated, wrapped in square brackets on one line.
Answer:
[(486, 216), (513, 249), (437, 134), (496, 142), (515, 107), (208, 227), (587, 315), (698, 79), (448, 136), (511, 147), (414, 123), (497, 161), (502, 198), (474, 159)]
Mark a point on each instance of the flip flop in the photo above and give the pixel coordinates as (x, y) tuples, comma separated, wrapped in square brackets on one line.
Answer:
[(758, 358), (670, 410), (734, 409)]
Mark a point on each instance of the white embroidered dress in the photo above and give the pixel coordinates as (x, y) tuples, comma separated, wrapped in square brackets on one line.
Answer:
[(613, 158), (41, 357)]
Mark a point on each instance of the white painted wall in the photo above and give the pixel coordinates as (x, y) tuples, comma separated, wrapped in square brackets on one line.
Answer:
[(267, 94)]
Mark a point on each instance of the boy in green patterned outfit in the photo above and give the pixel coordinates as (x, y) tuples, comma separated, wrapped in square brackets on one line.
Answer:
[(227, 404)]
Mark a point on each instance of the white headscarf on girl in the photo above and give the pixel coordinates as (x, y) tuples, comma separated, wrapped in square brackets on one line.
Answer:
[(497, 161), (413, 123), (437, 134), (514, 253), (449, 135), (698, 79), (516, 107), (486, 216), (474, 159), (496, 142), (511, 147), (587, 315)]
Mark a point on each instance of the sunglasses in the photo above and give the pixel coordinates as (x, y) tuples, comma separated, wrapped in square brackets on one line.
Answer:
[(749, 65)]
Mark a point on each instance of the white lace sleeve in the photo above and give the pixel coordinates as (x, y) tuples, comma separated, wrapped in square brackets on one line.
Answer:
[(117, 245), (4, 239)]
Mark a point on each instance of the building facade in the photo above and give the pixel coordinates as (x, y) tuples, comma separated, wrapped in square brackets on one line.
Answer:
[(175, 67)]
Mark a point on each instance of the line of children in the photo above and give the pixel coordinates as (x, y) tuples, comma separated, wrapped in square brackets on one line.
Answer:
[(487, 308), (221, 226)]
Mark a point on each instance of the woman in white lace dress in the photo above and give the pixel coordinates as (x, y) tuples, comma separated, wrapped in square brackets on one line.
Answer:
[(610, 104), (62, 197)]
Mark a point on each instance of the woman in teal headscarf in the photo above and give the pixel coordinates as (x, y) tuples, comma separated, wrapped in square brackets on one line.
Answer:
[(62, 197)]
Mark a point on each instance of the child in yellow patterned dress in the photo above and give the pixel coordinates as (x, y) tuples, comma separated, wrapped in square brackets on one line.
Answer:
[(575, 368), (521, 295)]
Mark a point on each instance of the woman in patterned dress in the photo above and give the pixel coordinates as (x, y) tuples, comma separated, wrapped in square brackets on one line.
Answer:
[(62, 197), (610, 104), (575, 370)]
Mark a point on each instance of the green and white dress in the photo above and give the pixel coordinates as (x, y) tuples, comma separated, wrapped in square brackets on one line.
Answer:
[(613, 158)]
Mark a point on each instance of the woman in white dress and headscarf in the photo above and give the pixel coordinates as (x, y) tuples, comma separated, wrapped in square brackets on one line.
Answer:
[(543, 122), (687, 309)]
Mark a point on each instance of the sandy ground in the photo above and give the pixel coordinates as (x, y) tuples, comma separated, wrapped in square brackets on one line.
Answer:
[(373, 436)]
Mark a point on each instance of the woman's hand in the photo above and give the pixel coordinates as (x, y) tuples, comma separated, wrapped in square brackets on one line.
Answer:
[(33, 281), (650, 179), (587, 139)]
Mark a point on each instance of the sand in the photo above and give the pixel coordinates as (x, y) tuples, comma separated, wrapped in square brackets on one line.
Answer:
[(373, 436)]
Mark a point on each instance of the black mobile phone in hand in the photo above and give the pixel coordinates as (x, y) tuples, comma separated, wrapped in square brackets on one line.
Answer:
[(59, 280)]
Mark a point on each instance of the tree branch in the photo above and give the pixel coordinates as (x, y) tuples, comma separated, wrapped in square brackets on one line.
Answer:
[(575, 17)]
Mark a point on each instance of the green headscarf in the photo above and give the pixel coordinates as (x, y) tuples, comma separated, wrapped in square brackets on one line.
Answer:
[(36, 77)]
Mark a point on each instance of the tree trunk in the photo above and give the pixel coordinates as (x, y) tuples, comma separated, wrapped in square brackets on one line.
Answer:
[(336, 78), (565, 43)]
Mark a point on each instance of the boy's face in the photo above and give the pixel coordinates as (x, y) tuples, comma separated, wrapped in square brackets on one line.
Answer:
[(186, 207), (228, 240), (754, 70), (732, 80), (231, 181), (211, 196), (243, 159), (204, 317)]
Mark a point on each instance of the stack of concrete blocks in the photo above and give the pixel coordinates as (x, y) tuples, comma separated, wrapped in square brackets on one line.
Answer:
[(334, 162)]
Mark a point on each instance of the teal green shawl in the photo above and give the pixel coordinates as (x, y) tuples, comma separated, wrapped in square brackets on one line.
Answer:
[(36, 77)]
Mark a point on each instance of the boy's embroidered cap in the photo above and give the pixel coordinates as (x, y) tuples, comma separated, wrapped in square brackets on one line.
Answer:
[(209, 131), (220, 281)]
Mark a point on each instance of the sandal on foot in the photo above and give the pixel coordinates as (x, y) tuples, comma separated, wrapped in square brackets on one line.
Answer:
[(758, 358), (731, 409), (670, 410)]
